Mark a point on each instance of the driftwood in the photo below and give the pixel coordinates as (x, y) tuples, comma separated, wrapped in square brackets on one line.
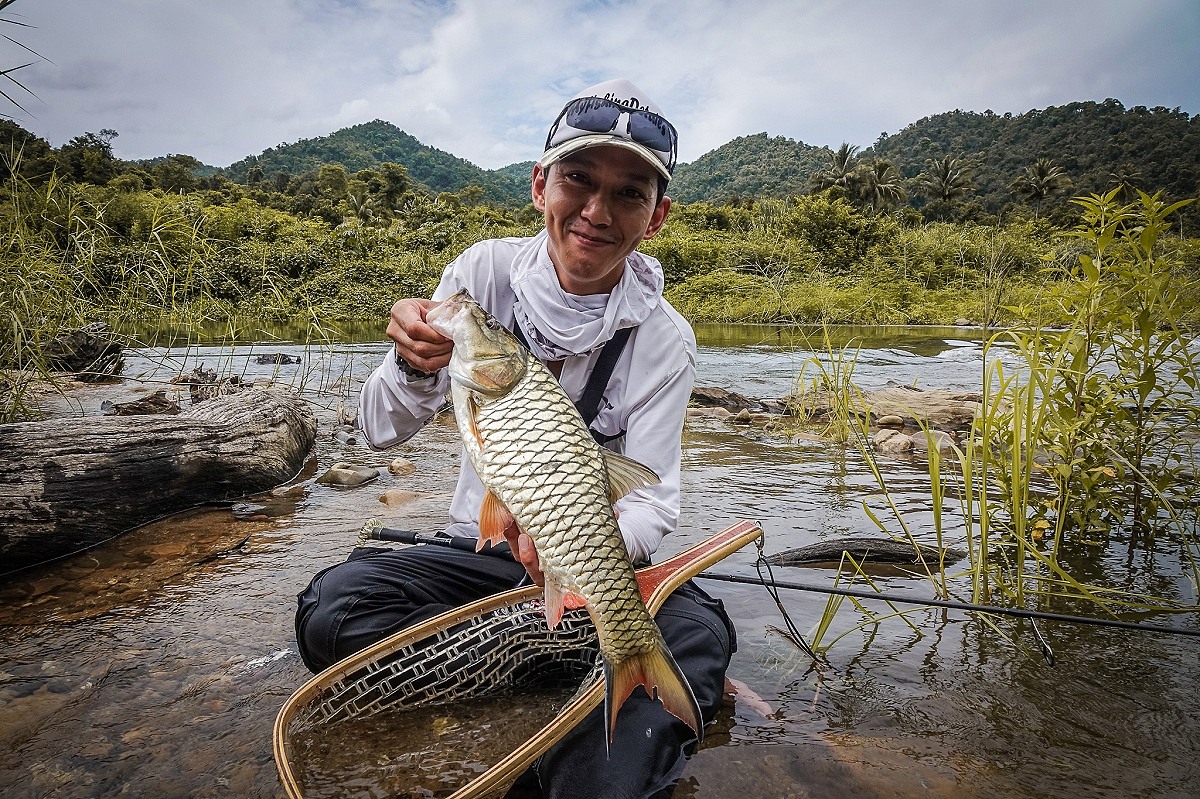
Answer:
[(67, 484), (862, 548)]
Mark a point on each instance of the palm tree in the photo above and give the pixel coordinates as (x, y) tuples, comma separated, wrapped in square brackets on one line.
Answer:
[(1128, 178), (945, 179), (840, 171), (879, 185), (1040, 182)]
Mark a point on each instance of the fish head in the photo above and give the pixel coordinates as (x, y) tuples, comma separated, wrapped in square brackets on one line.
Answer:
[(487, 358)]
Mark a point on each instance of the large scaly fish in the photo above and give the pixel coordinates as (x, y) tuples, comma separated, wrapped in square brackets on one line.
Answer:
[(543, 470)]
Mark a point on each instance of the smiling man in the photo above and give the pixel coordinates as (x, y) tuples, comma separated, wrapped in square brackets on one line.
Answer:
[(590, 306)]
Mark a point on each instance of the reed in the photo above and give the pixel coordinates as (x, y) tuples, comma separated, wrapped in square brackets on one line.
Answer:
[(1087, 445)]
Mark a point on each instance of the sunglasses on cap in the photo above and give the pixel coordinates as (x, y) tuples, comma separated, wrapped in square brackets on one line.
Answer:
[(598, 115)]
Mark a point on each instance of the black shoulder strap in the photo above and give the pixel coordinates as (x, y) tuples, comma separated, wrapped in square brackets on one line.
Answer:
[(593, 391)]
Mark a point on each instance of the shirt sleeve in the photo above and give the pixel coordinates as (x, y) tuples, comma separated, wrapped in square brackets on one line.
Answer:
[(393, 406), (653, 437)]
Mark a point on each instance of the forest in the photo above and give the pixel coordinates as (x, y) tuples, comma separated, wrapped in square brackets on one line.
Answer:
[(763, 230)]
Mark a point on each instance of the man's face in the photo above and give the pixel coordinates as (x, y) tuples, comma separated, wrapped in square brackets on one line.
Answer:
[(599, 206)]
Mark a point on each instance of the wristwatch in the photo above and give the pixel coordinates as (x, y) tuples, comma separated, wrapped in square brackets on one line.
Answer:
[(411, 371)]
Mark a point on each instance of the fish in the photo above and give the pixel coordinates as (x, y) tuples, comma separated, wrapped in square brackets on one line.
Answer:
[(543, 471)]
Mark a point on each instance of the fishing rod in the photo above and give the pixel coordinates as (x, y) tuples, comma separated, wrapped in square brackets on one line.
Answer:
[(374, 530)]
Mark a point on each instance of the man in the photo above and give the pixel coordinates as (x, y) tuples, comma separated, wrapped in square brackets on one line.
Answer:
[(568, 291)]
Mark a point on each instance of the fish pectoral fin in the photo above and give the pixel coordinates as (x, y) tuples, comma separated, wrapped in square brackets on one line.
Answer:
[(658, 673), (625, 475), (494, 519), (473, 407)]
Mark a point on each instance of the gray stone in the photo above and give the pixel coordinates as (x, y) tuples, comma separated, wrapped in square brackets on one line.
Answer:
[(892, 442), (348, 475)]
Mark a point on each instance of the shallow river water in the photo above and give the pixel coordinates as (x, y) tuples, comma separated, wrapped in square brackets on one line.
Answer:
[(154, 665)]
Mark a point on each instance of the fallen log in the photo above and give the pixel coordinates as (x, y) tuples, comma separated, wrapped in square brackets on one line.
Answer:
[(68, 484), (864, 549)]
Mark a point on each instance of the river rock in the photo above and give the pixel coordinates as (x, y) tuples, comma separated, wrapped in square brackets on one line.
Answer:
[(937, 408), (714, 397), (348, 475), (93, 353), (939, 439), (158, 402), (710, 413), (278, 358), (891, 420), (396, 496), (402, 466), (892, 442)]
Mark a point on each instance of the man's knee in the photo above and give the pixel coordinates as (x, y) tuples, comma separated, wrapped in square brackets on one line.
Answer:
[(378, 592), (701, 639), (323, 607)]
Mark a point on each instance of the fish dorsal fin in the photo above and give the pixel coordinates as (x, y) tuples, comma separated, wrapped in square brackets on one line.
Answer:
[(625, 474), (494, 519)]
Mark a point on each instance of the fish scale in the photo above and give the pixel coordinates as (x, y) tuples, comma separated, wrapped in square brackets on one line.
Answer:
[(533, 453), (538, 421)]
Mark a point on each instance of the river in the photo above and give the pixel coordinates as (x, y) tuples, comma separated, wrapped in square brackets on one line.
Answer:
[(154, 665)]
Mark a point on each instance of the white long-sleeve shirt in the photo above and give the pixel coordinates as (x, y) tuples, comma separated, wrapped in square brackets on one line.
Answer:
[(646, 396)]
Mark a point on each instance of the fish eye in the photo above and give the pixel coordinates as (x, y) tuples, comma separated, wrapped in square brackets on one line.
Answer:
[(493, 323)]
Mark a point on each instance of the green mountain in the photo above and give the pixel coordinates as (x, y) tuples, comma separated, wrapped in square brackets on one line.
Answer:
[(1096, 144), (747, 167), (370, 144)]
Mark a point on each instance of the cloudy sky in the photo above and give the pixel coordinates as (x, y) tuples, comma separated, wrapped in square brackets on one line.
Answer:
[(482, 79)]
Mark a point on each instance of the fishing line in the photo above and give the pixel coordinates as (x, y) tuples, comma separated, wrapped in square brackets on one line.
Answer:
[(772, 589), (945, 603), (375, 530)]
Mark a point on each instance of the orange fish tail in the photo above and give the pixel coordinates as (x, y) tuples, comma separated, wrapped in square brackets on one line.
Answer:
[(657, 672)]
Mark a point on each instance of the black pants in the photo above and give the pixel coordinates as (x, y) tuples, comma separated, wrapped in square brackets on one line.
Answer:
[(378, 592)]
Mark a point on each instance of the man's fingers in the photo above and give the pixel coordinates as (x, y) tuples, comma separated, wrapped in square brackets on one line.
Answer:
[(527, 555), (423, 346)]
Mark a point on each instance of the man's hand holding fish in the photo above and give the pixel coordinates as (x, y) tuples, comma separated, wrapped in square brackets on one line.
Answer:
[(570, 375)]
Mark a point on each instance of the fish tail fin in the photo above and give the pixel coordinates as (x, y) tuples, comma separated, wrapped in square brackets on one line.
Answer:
[(657, 672)]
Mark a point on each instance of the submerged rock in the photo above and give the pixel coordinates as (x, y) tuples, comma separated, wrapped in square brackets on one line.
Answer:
[(348, 475), (402, 466)]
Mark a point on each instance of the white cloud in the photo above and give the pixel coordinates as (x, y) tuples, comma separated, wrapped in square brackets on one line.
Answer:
[(482, 79)]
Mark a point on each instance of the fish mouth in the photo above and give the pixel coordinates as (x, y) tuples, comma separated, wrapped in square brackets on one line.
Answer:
[(441, 316)]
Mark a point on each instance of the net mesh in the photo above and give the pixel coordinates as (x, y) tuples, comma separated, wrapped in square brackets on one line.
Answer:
[(500, 651)]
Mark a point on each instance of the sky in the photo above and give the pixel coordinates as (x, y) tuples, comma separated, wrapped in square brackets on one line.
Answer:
[(483, 79)]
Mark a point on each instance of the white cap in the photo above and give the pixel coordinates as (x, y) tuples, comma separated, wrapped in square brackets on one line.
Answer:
[(652, 128)]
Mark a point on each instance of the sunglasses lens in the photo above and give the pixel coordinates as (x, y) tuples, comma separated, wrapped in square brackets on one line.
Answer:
[(593, 114), (652, 131)]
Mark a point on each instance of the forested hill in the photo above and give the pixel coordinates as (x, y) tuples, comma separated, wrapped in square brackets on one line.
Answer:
[(748, 167), (371, 144), (1097, 145)]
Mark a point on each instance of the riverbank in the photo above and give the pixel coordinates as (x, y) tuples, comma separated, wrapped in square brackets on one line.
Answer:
[(158, 662)]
